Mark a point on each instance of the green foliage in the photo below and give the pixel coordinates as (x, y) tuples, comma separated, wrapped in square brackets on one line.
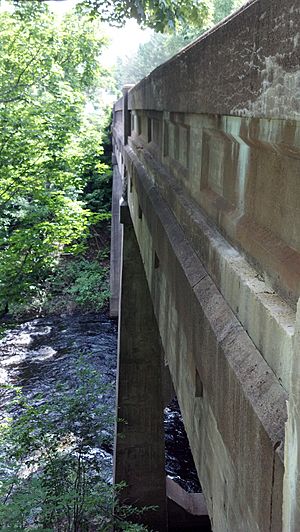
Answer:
[(86, 281), (90, 288), (52, 477), (223, 8), (47, 73), (95, 166), (161, 15), (77, 283)]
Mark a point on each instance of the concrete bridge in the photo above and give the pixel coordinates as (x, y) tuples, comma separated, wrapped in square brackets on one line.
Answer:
[(207, 161)]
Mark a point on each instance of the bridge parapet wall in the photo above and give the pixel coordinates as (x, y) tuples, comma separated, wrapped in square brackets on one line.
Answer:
[(212, 162)]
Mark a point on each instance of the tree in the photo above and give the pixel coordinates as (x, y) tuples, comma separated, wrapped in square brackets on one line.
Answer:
[(161, 15), (223, 8), (46, 75)]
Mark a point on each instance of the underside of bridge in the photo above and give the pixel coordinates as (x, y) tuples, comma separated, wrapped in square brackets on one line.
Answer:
[(207, 161)]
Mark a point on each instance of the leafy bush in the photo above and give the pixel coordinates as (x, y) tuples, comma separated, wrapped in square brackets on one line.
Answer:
[(90, 287), (84, 281), (52, 476)]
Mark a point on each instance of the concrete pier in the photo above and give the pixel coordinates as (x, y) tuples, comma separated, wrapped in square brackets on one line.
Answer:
[(139, 445)]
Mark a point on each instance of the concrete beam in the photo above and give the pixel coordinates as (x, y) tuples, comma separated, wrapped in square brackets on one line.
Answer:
[(193, 503)]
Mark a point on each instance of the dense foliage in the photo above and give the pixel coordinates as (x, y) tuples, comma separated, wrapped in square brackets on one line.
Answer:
[(52, 473), (161, 15), (223, 8), (48, 144)]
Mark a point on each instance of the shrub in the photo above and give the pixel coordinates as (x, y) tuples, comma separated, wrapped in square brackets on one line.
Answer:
[(90, 287), (52, 474)]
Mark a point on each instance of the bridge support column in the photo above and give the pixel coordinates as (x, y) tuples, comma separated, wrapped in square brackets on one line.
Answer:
[(139, 445)]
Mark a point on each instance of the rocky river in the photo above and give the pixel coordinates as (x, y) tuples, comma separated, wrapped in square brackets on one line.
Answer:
[(37, 353)]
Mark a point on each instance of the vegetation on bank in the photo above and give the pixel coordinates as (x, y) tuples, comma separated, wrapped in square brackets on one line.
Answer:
[(52, 473), (78, 280), (54, 174)]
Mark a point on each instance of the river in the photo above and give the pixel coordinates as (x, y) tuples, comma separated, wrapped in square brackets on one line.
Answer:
[(39, 352)]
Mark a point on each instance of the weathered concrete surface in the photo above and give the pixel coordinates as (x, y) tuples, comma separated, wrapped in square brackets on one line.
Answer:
[(213, 165), (193, 503), (116, 243), (292, 454), (187, 512), (241, 412), (139, 445), (247, 66), (121, 129)]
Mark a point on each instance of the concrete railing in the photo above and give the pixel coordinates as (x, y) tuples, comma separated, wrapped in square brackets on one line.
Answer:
[(212, 159), (193, 503)]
